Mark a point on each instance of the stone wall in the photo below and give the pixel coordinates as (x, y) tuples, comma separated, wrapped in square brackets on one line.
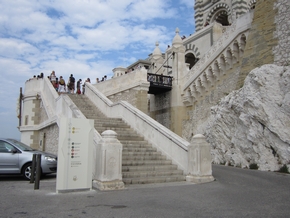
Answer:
[(51, 138), (268, 42), (199, 113), (136, 97), (35, 118), (162, 110), (129, 96), (43, 114), (261, 40), (50, 133), (282, 50), (169, 116)]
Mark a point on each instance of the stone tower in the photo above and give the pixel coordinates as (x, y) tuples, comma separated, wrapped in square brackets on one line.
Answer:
[(220, 11)]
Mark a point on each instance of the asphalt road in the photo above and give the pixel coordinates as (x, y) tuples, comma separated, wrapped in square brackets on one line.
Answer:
[(235, 193)]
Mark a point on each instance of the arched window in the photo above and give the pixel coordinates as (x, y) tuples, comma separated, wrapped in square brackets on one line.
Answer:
[(221, 17), (190, 59)]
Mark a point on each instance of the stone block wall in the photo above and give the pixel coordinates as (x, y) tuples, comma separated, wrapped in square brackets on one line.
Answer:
[(261, 39), (142, 100), (282, 50), (162, 109), (51, 138), (43, 114), (199, 113), (169, 116), (136, 97), (268, 42), (35, 118), (50, 141)]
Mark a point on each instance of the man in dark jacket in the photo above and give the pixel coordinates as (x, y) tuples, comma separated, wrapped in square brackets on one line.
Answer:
[(72, 83)]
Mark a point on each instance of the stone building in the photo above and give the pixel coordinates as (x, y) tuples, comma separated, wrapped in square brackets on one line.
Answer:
[(232, 38)]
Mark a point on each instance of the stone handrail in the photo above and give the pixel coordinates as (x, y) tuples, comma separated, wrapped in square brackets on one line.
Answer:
[(56, 107), (49, 99), (238, 27), (123, 83), (163, 139), (42, 88)]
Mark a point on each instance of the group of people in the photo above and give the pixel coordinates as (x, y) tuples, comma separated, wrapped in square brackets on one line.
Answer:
[(62, 87), (104, 78)]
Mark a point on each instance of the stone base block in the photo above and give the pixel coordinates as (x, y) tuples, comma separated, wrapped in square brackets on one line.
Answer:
[(110, 185), (199, 179)]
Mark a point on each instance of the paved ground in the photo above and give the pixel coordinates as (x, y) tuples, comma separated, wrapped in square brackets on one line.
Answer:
[(235, 193)]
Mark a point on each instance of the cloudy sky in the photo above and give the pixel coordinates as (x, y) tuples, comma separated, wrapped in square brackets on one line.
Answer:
[(87, 38)]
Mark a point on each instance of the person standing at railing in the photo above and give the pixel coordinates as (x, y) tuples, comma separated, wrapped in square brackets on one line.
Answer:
[(56, 84), (79, 82), (52, 78), (71, 84), (84, 85), (61, 87)]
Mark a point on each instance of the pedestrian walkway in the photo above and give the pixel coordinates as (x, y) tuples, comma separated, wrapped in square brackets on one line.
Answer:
[(235, 193)]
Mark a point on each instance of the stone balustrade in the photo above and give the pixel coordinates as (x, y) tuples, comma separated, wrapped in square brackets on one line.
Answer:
[(227, 51)]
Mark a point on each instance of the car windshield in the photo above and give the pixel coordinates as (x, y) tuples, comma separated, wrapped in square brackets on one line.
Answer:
[(20, 145)]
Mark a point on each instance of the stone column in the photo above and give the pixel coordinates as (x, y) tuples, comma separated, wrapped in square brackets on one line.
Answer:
[(109, 163), (199, 161)]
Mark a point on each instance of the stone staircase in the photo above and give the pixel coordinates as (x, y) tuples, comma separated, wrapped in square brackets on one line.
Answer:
[(141, 163)]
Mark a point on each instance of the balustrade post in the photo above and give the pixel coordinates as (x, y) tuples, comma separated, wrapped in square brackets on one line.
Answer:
[(109, 163), (199, 161)]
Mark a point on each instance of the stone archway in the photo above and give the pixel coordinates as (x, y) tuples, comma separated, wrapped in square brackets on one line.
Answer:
[(219, 13), (190, 59), (221, 16)]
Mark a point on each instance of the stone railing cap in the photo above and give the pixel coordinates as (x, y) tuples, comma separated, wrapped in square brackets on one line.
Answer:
[(198, 136), (109, 133)]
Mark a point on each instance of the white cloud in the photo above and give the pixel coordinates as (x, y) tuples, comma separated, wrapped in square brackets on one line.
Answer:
[(15, 47), (188, 3)]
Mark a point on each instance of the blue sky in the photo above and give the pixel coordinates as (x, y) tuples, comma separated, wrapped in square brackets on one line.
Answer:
[(87, 38)]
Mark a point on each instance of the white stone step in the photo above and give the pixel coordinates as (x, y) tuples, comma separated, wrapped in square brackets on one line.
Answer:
[(141, 163), (149, 168), (154, 179), (145, 153), (142, 157), (130, 149), (145, 162), (138, 174)]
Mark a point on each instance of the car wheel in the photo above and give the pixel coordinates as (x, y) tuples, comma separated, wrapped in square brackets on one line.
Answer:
[(26, 171)]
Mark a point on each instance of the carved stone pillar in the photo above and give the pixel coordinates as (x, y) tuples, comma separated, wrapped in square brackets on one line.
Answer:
[(199, 161), (109, 163)]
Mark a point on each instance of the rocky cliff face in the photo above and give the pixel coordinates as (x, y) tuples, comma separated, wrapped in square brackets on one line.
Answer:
[(252, 125)]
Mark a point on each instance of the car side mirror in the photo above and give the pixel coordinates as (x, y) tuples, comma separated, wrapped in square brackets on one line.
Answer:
[(14, 151)]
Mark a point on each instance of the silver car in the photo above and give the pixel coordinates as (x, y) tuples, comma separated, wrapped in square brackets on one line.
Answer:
[(16, 158)]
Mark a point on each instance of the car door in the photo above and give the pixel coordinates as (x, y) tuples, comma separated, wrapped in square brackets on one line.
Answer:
[(9, 158)]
